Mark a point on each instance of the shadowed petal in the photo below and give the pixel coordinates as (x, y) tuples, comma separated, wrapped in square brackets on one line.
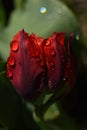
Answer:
[(70, 72)]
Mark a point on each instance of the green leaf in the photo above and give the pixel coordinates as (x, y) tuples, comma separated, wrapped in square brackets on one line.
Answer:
[(57, 17), (2, 126), (2, 66), (52, 112), (2, 16), (18, 3), (10, 105)]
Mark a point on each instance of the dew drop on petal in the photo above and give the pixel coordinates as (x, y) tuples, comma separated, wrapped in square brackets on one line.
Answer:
[(48, 43), (11, 61), (51, 63), (53, 69), (52, 66), (54, 84), (43, 10), (14, 45), (52, 52), (9, 73)]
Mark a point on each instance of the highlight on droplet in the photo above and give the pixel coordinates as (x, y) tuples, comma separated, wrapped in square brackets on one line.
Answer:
[(14, 45), (9, 73), (11, 61), (43, 10)]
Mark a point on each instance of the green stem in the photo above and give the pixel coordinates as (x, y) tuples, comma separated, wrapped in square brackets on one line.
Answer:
[(43, 125), (38, 117)]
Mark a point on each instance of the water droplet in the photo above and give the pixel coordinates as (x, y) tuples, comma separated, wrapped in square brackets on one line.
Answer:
[(54, 84), (52, 52), (77, 37), (11, 61), (53, 69), (51, 63), (43, 10), (14, 45), (52, 66), (9, 74), (48, 43)]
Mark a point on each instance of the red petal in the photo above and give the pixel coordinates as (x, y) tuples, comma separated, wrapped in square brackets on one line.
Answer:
[(70, 72), (60, 38), (55, 58), (27, 74)]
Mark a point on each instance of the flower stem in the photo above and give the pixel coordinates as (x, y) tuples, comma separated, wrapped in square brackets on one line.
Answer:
[(38, 117)]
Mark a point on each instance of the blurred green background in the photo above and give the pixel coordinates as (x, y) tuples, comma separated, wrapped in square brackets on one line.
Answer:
[(69, 113)]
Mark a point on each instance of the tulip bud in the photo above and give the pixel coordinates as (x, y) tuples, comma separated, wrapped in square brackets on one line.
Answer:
[(35, 63)]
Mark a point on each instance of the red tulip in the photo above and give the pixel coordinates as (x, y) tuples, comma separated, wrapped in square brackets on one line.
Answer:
[(35, 62)]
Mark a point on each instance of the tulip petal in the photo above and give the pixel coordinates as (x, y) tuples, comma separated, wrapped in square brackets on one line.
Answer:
[(70, 72), (55, 59), (26, 74)]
